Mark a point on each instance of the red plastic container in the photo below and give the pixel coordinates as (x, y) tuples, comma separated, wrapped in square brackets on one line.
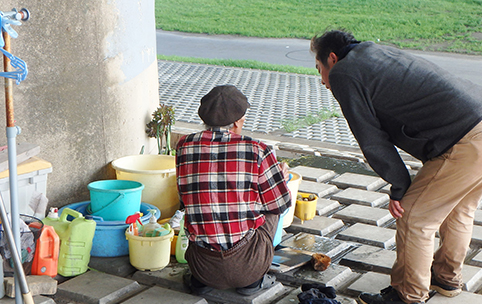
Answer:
[(46, 257)]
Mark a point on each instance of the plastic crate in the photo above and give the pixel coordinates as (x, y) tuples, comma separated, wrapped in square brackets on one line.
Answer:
[(31, 177)]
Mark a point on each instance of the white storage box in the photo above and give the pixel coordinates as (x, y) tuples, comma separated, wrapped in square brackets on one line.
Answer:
[(31, 177)]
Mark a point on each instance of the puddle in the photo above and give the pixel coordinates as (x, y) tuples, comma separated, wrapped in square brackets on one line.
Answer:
[(340, 166)]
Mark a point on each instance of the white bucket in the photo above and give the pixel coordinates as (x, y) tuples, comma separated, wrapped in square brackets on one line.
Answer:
[(293, 185)]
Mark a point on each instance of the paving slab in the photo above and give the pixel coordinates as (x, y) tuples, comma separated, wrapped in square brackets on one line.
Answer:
[(36, 300), (464, 297), (320, 225), (118, 266), (314, 174), (361, 197), (477, 236), (168, 277), (385, 189), (369, 235), (478, 217), (370, 258), (325, 206), (37, 284), (232, 297), (364, 214), (95, 287), (317, 244), (477, 259), (371, 282), (319, 189), (359, 181), (335, 275), (472, 276), (156, 295)]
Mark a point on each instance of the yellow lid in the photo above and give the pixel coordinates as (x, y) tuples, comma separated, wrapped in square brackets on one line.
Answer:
[(30, 165)]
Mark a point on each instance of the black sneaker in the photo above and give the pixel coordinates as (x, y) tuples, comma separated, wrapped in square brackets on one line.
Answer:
[(187, 280), (445, 290), (386, 296)]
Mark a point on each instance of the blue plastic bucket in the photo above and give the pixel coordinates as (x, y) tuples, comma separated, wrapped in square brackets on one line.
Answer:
[(114, 200), (109, 238), (279, 229)]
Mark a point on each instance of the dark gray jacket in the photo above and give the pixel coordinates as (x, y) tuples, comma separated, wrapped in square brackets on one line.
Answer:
[(390, 97)]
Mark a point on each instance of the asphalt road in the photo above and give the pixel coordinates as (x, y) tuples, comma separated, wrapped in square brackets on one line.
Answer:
[(287, 51)]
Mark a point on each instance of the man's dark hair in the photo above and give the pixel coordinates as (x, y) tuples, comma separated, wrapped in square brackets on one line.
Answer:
[(331, 41)]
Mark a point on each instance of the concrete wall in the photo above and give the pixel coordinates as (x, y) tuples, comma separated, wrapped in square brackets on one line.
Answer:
[(91, 88)]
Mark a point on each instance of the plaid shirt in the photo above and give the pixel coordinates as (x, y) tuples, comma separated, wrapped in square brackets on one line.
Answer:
[(226, 182)]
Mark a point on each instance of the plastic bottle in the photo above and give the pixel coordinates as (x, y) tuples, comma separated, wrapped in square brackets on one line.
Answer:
[(181, 244), (45, 261), (152, 228), (75, 241)]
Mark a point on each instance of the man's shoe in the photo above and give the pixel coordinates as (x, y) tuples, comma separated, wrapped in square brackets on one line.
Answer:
[(267, 282), (445, 290), (386, 296), (186, 278)]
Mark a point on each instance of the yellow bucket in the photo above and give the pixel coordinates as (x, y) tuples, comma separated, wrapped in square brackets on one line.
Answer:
[(149, 253), (293, 185), (306, 210), (158, 175)]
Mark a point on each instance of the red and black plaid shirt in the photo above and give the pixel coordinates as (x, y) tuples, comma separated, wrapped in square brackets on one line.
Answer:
[(226, 182)]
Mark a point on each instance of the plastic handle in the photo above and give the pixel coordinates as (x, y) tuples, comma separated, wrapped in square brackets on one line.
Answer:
[(67, 211)]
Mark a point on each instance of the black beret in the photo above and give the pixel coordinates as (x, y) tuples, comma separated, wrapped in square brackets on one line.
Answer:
[(222, 106)]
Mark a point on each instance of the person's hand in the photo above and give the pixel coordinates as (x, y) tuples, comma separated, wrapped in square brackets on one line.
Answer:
[(395, 209), (285, 168)]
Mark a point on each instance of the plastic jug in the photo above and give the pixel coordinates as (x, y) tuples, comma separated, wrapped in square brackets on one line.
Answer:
[(75, 241), (45, 261), (181, 244), (153, 229)]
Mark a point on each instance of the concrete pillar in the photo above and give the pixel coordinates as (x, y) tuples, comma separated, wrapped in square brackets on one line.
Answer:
[(91, 88)]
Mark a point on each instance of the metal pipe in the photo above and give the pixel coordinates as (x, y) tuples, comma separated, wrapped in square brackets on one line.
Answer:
[(12, 132)]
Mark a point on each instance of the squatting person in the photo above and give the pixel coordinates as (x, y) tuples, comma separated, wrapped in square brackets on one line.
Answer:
[(233, 190)]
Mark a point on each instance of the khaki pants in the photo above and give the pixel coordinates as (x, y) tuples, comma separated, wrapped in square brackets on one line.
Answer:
[(443, 196), (239, 266)]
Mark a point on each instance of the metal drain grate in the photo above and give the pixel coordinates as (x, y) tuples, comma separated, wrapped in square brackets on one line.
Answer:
[(273, 96)]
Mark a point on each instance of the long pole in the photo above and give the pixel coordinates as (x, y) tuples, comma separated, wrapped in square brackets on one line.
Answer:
[(12, 132)]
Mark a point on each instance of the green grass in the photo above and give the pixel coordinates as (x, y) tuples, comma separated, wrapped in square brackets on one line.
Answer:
[(435, 25), (246, 64)]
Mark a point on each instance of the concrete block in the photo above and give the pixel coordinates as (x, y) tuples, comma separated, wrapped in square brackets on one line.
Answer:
[(335, 275), (359, 181), (477, 236), (478, 217), (118, 266), (385, 189), (371, 282), (319, 225), (364, 214), (477, 260), (472, 276), (317, 244), (231, 296), (313, 174), (326, 206), (168, 277), (370, 258), (37, 284), (154, 295), (36, 300), (97, 288), (464, 297), (319, 189), (369, 235), (361, 197)]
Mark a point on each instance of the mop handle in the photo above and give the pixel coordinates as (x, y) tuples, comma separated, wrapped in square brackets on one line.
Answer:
[(16, 258)]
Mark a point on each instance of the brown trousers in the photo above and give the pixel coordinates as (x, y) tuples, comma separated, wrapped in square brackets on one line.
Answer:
[(239, 266), (443, 196)]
